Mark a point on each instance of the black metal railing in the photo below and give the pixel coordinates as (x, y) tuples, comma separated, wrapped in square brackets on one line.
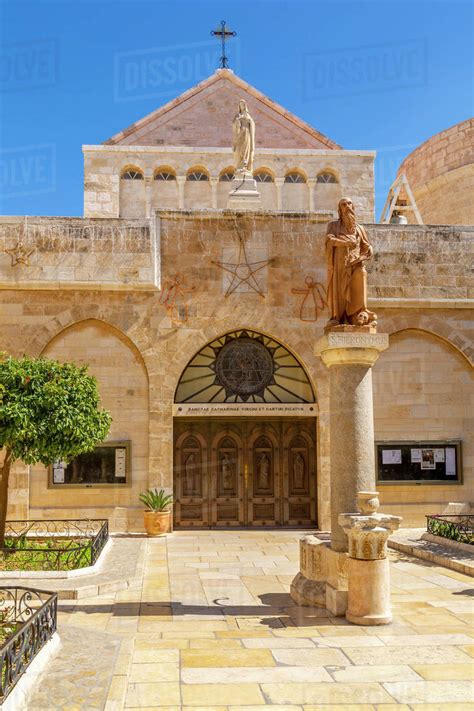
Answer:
[(57, 544), (28, 619), (455, 527)]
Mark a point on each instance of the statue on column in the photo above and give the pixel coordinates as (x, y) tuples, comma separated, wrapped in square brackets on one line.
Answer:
[(243, 139), (347, 250)]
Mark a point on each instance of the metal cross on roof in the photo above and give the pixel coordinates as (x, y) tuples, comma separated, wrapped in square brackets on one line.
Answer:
[(224, 33)]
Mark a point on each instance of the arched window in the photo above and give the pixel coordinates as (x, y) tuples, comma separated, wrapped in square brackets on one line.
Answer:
[(132, 174), (164, 175), (326, 177), (294, 177), (244, 366), (197, 175), (226, 177), (263, 176)]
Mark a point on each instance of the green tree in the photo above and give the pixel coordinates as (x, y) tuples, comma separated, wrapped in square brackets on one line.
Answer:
[(48, 411)]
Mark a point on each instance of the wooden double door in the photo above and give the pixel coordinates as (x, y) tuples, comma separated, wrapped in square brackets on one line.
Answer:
[(245, 472)]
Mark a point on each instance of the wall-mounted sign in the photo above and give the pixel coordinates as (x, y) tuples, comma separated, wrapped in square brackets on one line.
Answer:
[(245, 409), (120, 463), (59, 469)]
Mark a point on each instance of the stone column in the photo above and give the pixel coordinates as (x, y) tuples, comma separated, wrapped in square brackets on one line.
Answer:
[(311, 187), (368, 601), (350, 355), (279, 190), (181, 179), (148, 192), (214, 182)]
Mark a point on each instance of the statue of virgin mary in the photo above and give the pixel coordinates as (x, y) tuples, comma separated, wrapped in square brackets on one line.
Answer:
[(243, 139)]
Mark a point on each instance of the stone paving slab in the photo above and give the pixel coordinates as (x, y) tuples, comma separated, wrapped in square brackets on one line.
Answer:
[(408, 540), (71, 681), (173, 643)]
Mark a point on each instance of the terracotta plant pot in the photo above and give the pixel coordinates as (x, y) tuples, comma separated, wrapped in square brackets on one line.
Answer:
[(157, 523)]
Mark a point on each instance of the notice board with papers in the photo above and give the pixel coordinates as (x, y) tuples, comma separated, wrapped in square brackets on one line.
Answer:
[(418, 462)]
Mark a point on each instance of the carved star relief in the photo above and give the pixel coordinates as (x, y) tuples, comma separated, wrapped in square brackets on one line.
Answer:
[(19, 254), (243, 271)]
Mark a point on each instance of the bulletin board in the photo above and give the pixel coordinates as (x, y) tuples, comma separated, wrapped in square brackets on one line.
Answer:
[(419, 462)]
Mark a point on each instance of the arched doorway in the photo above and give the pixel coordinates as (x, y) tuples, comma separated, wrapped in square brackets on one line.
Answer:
[(244, 436)]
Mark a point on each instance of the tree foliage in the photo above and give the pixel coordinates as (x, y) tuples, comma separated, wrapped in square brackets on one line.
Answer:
[(49, 410)]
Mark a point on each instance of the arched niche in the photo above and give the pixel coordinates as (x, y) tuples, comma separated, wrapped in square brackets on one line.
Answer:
[(197, 188), (327, 190), (132, 192), (295, 195), (123, 385), (423, 391), (165, 187)]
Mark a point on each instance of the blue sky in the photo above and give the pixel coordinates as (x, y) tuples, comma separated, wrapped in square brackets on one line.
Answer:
[(369, 74)]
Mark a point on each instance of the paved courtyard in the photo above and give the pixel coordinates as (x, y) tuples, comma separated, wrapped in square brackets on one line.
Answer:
[(212, 626)]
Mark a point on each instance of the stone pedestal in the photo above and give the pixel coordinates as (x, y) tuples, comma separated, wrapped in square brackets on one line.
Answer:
[(243, 194), (368, 601), (322, 580), (350, 352)]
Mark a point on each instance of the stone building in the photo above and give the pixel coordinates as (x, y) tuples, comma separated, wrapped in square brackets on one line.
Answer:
[(200, 322), (441, 175)]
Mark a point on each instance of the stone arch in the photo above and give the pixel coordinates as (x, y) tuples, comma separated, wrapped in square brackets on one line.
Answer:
[(264, 170), (195, 169), (164, 169), (229, 170), (132, 167), (437, 326), (123, 383), (86, 312), (304, 393), (123, 337), (297, 171), (132, 198), (332, 171)]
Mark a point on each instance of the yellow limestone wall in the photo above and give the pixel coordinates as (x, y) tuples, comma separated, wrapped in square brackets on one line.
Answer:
[(423, 390), (112, 275), (123, 386)]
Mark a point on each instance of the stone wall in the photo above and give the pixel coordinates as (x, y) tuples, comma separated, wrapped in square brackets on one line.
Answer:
[(123, 386), (441, 175), (424, 390), (65, 251), (106, 195), (418, 284)]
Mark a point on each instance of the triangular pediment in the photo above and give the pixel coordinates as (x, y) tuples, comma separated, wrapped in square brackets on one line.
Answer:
[(202, 117)]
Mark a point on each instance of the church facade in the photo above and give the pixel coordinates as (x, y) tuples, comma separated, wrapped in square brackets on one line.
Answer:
[(199, 323)]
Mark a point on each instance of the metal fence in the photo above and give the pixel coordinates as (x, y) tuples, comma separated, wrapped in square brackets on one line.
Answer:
[(28, 619), (455, 527), (57, 544)]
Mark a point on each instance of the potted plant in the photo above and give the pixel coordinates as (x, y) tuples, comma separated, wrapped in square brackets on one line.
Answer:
[(157, 515)]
